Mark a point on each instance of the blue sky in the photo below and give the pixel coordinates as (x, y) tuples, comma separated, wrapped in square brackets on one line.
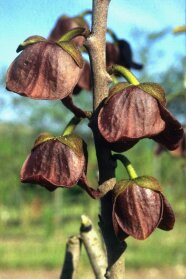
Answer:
[(20, 19)]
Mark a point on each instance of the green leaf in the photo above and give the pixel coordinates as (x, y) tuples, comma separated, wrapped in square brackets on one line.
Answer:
[(30, 41), (71, 49)]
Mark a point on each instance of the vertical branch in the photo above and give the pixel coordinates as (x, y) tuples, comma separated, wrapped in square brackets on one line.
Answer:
[(96, 46)]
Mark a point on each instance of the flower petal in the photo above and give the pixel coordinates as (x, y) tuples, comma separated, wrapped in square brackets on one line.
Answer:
[(43, 71), (121, 235), (172, 133), (84, 82), (168, 218), (138, 211), (52, 164), (130, 115)]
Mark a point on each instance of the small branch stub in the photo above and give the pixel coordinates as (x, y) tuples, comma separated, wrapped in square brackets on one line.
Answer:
[(93, 247), (72, 256)]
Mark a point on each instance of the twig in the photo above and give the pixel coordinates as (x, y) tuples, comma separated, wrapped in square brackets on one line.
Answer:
[(93, 247), (72, 256)]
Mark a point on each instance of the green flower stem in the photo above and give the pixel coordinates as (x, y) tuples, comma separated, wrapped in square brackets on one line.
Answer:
[(86, 12), (112, 34), (127, 164), (124, 72), (114, 80), (71, 126), (79, 31)]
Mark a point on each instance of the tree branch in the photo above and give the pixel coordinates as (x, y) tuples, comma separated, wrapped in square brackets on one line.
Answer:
[(96, 45), (72, 256), (93, 247)]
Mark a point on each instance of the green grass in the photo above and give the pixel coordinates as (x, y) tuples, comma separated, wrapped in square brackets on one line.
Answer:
[(36, 245), (35, 224)]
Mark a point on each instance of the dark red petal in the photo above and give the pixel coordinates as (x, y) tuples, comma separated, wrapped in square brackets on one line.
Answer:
[(168, 218), (138, 211), (130, 115), (122, 146), (112, 54), (63, 25), (172, 133), (43, 71), (180, 151), (121, 235), (53, 164), (84, 82)]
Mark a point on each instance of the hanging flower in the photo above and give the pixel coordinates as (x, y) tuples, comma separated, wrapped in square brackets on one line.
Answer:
[(64, 24), (139, 208), (44, 69), (133, 112), (120, 53), (55, 162)]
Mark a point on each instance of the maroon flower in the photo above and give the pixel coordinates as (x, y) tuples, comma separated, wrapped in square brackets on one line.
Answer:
[(112, 54), (180, 151), (65, 24), (84, 82), (139, 208), (55, 162), (131, 113), (43, 70), (121, 53)]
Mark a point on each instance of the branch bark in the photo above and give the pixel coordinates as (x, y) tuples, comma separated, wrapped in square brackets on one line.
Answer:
[(93, 247), (72, 256), (96, 45)]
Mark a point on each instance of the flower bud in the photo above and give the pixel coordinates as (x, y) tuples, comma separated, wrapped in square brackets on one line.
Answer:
[(55, 162), (139, 208), (120, 53)]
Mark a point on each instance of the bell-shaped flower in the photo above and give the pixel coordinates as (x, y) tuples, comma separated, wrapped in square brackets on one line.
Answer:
[(64, 24), (45, 69), (139, 208), (120, 53), (133, 112), (55, 162)]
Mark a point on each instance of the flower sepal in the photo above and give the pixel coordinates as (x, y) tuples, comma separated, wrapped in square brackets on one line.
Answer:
[(30, 41), (73, 51)]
